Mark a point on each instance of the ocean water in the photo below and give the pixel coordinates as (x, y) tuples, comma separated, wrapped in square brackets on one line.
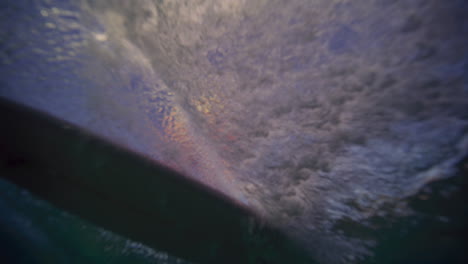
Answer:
[(33, 231), (319, 115)]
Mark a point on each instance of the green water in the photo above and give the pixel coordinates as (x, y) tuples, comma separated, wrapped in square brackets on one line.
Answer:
[(32, 231)]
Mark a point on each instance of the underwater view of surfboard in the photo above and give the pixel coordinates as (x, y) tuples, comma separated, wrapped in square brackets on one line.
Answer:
[(327, 131), (127, 194)]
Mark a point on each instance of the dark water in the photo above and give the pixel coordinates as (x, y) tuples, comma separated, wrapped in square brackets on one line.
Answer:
[(322, 116), (33, 231)]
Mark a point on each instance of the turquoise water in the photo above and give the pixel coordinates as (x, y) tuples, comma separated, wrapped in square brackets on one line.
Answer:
[(34, 232)]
